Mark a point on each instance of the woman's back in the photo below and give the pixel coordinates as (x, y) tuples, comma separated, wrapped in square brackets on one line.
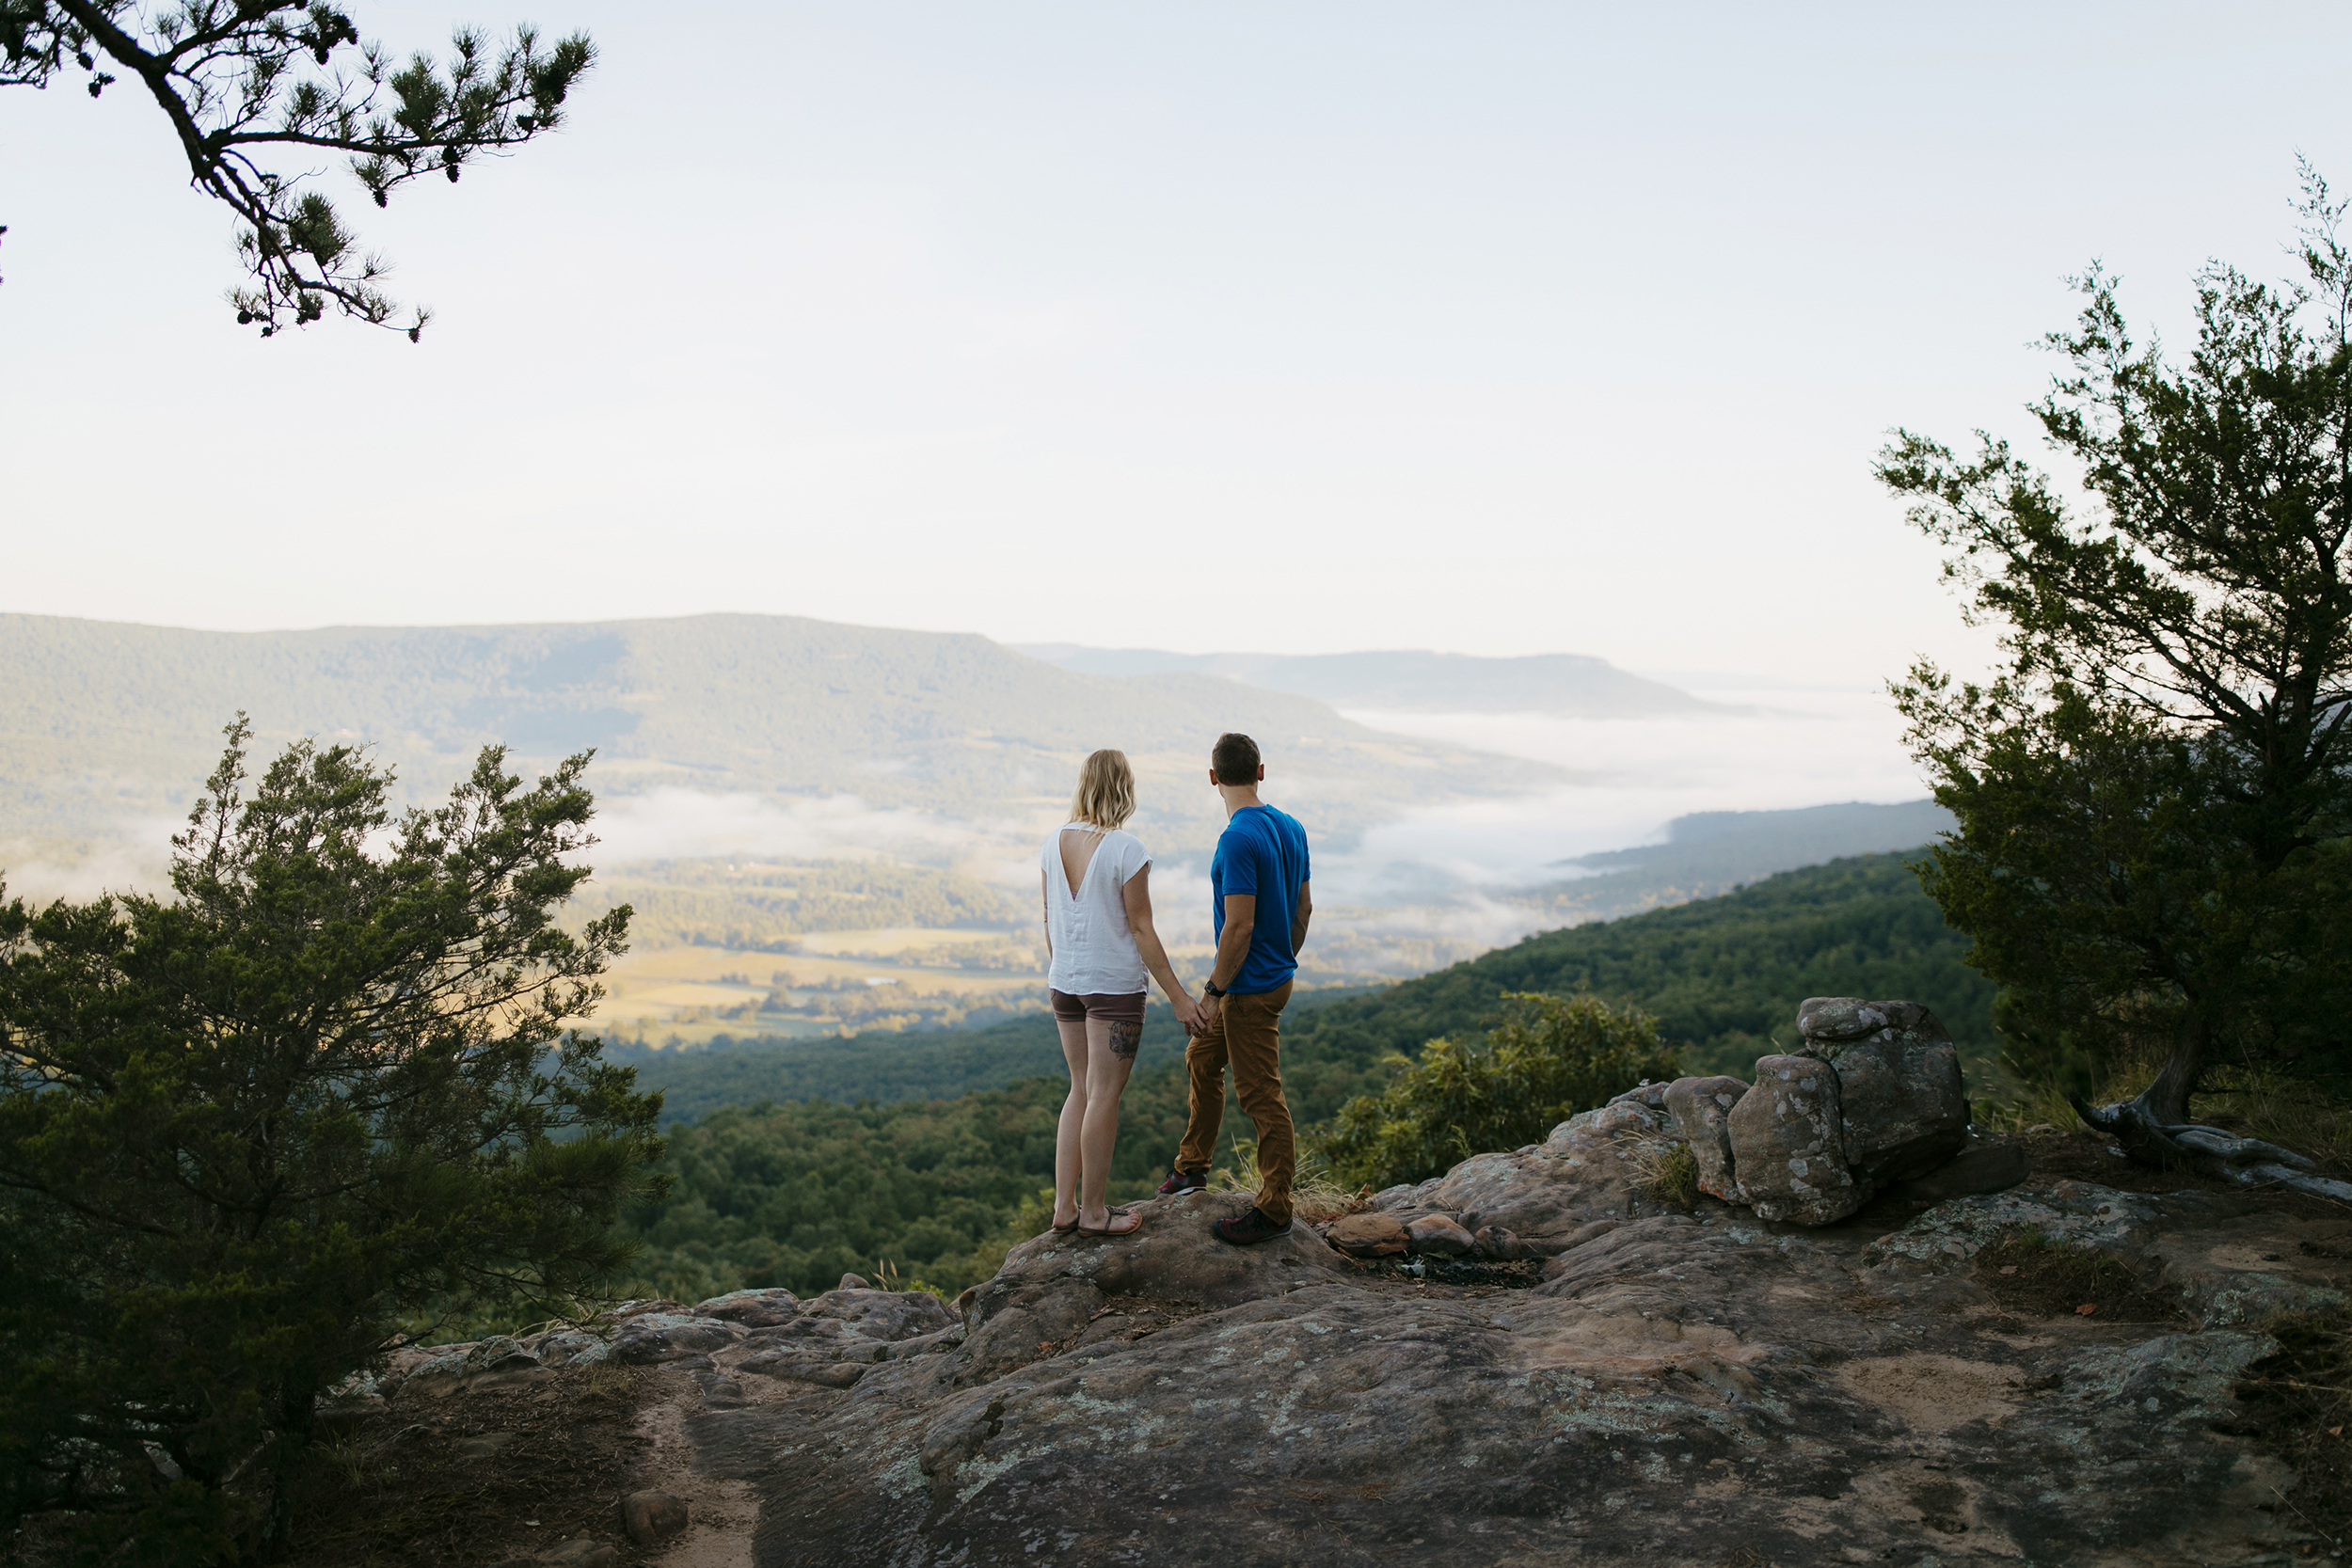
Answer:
[(1087, 869)]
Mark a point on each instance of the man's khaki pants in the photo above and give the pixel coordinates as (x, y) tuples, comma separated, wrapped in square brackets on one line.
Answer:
[(1246, 1034)]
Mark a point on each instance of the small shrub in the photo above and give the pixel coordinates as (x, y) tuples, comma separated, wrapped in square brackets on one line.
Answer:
[(1665, 1169), (1550, 1057), (1317, 1197)]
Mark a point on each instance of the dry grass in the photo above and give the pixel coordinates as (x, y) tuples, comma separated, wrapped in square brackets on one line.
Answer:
[(1317, 1197), (1665, 1169), (2250, 1102)]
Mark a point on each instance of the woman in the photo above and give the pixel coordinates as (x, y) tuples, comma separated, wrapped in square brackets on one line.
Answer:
[(1098, 933)]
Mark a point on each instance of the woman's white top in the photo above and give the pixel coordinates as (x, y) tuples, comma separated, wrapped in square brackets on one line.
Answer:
[(1094, 951)]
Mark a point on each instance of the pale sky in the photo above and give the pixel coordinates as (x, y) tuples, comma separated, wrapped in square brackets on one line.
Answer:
[(1497, 328)]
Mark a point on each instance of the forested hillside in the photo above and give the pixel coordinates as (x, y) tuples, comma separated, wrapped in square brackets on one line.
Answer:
[(799, 1194), (1723, 974), (877, 1064), (1712, 853), (779, 1182)]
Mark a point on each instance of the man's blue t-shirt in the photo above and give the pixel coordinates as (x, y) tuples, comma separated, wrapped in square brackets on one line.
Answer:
[(1262, 852)]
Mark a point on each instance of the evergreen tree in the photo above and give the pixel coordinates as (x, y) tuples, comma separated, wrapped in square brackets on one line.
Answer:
[(245, 1129), (2154, 794), (256, 90)]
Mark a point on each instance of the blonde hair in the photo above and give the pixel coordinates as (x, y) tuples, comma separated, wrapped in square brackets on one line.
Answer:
[(1106, 790)]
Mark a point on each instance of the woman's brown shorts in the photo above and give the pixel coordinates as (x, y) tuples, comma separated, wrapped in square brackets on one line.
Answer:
[(1124, 1014)]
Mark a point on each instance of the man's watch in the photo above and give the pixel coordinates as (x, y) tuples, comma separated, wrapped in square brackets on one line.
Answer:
[(1210, 987)]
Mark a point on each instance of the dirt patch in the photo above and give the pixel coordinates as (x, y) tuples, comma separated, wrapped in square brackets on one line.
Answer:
[(2024, 1271), (2297, 1406), (491, 1475), (1932, 1393)]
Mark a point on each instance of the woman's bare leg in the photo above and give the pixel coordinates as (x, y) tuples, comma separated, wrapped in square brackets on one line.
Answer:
[(1073, 1111), (1110, 1056)]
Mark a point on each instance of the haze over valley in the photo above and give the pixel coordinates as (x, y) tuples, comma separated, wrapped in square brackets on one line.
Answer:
[(824, 828)]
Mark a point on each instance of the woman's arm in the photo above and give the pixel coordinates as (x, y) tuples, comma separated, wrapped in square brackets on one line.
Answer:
[(1138, 897), (1045, 908)]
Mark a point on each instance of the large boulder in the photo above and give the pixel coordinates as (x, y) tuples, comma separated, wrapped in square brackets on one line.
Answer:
[(1585, 1171), (1903, 1107), (1701, 1108), (762, 1309), (1788, 1142), (1439, 1235), (1373, 1235), (652, 1337)]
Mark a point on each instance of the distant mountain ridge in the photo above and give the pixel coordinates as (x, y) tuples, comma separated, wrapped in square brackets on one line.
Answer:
[(1707, 853), (1410, 680), (102, 721)]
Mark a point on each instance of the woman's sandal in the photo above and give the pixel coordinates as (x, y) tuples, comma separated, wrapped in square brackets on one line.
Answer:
[(1114, 1227), (1064, 1230)]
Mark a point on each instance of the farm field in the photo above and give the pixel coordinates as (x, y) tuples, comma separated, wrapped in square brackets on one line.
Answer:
[(832, 983)]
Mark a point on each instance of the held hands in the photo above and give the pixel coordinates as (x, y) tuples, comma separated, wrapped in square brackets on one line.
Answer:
[(1188, 1012), (1205, 1014)]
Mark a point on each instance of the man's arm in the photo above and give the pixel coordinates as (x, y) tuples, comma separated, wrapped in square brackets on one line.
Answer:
[(1233, 948), (1298, 919)]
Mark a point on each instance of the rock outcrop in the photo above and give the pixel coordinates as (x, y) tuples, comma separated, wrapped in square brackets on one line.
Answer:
[(1701, 1109), (1874, 1099), (1682, 1390), (1693, 1387), (1789, 1143), (1899, 1085)]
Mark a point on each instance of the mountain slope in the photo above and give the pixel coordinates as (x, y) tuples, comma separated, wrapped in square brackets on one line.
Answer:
[(101, 722), (1411, 680), (1724, 974), (1711, 852)]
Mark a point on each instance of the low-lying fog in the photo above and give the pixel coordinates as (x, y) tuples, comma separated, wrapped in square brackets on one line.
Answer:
[(1433, 885), (1795, 746)]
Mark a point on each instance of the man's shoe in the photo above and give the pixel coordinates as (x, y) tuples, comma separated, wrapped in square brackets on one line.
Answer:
[(1248, 1228), (1179, 1182)]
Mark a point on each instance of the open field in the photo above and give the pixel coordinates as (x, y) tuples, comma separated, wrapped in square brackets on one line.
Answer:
[(691, 994)]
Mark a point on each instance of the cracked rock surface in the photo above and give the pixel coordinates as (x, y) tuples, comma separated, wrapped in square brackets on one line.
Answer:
[(1681, 1388)]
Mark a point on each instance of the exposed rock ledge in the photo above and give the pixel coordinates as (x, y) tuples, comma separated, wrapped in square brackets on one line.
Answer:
[(1680, 1388)]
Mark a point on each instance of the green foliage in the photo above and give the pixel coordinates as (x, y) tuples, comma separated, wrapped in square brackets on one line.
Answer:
[(798, 1194), (1550, 1058), (1722, 975), (246, 85), (887, 1064), (247, 1130), (2154, 794)]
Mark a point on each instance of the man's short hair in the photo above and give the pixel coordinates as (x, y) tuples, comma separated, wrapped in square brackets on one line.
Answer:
[(1235, 759)]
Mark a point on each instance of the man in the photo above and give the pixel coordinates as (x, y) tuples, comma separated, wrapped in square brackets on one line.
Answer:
[(1258, 902)]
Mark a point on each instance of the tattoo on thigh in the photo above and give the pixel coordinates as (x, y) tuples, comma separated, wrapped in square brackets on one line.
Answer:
[(1125, 1037)]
